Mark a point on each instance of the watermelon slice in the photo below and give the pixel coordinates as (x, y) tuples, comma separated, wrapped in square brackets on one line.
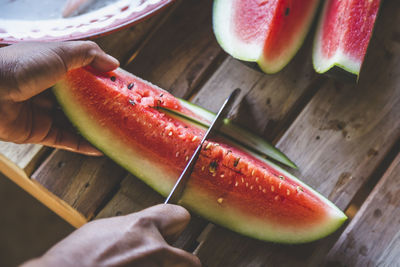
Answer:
[(343, 35), (230, 185), (268, 32)]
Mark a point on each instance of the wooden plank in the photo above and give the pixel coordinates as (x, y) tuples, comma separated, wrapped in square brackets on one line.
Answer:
[(378, 220), (267, 103), (20, 177), (122, 44), (338, 140), (24, 156), (181, 51), (85, 183)]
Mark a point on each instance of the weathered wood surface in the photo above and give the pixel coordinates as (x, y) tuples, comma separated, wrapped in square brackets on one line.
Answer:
[(85, 183), (18, 161), (26, 156), (338, 140), (181, 52), (122, 44), (338, 134), (373, 236)]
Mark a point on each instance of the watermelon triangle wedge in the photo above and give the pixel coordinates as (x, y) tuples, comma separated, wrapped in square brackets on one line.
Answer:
[(119, 113), (268, 32), (344, 31)]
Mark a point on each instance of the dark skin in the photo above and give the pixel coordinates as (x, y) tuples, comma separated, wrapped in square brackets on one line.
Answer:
[(28, 115)]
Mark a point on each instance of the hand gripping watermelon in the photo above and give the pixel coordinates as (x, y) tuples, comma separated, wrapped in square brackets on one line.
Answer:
[(343, 34), (123, 116), (268, 32)]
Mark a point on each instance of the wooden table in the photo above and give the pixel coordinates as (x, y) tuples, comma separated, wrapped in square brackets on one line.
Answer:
[(345, 138)]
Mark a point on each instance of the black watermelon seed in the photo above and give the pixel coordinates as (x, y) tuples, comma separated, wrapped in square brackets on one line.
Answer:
[(287, 11), (236, 162), (130, 86), (132, 102), (113, 78)]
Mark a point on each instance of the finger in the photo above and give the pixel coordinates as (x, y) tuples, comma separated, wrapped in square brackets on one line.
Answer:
[(38, 66), (170, 220), (44, 130), (45, 100), (70, 141), (157, 254), (82, 53)]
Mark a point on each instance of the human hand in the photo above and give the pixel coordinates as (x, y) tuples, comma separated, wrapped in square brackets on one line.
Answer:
[(27, 112), (138, 239)]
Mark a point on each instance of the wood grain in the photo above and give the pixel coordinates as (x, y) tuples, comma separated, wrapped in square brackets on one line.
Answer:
[(267, 103), (85, 183), (24, 156), (123, 43), (337, 141), (378, 220), (18, 175), (181, 51)]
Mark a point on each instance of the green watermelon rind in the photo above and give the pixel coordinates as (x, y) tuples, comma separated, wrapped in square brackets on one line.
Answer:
[(120, 153), (259, 230), (246, 137), (133, 160)]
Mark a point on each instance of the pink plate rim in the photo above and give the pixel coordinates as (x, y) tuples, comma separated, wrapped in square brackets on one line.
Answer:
[(100, 22)]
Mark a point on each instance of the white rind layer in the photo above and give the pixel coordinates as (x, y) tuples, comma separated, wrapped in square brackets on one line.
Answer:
[(290, 52), (340, 59), (222, 24)]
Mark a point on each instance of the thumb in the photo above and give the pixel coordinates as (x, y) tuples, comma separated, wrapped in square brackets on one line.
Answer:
[(38, 66), (82, 53), (170, 220)]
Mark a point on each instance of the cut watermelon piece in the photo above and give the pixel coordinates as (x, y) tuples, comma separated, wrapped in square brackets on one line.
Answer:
[(343, 34), (230, 185), (230, 130), (268, 32)]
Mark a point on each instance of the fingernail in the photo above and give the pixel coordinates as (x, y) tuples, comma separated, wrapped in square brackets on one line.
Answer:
[(113, 60)]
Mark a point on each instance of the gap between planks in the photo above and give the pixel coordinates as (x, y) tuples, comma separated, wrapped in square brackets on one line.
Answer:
[(363, 193)]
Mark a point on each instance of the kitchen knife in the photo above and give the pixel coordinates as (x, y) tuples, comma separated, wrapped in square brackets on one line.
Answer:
[(180, 184)]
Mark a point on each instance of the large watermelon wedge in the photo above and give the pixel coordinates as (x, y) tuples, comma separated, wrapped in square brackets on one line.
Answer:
[(268, 32), (119, 114), (343, 34)]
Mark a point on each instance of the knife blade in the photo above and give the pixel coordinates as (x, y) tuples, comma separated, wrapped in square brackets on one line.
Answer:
[(180, 184)]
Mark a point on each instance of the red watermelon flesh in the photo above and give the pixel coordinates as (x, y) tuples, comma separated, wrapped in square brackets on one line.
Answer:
[(344, 31), (230, 186), (267, 32)]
